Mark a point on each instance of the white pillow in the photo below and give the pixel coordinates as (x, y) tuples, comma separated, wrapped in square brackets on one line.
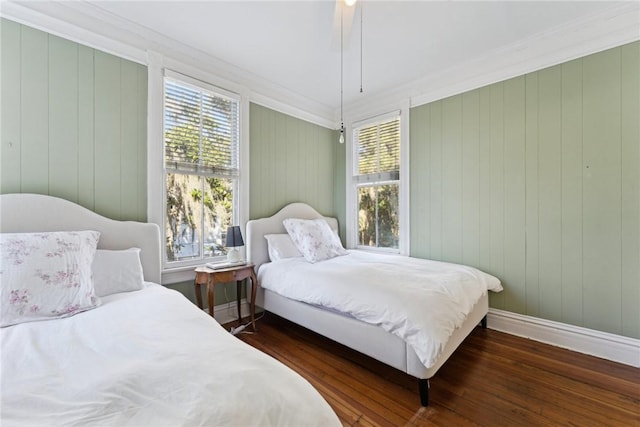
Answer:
[(117, 271), (281, 246), (46, 275), (314, 238)]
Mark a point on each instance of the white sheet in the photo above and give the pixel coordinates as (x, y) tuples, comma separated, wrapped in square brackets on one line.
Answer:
[(147, 358), (420, 301)]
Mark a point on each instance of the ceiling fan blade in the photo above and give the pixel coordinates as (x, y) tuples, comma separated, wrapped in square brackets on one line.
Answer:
[(343, 15)]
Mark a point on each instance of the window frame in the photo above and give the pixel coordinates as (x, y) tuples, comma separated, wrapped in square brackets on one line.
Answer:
[(353, 183), (216, 91), (159, 66)]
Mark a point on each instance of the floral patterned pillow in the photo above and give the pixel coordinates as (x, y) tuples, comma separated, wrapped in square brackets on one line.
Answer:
[(315, 240), (46, 275)]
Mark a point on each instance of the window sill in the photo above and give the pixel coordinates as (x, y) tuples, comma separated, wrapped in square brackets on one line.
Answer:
[(179, 274)]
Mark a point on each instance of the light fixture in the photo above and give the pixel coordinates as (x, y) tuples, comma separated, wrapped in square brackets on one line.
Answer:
[(234, 240)]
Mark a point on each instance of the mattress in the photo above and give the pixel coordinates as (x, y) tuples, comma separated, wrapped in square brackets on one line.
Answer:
[(147, 358)]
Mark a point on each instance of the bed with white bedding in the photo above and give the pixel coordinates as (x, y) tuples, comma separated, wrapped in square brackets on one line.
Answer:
[(409, 313), (135, 353)]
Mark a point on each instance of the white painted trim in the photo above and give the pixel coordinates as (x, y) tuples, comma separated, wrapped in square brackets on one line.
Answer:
[(88, 24), (325, 119), (600, 344), (600, 31), (23, 14), (397, 109), (225, 313), (155, 149), (92, 26)]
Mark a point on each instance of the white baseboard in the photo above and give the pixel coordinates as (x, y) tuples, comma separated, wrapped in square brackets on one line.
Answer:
[(225, 313), (600, 344)]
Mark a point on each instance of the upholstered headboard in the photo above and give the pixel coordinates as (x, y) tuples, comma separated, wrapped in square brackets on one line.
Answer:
[(257, 251), (24, 213)]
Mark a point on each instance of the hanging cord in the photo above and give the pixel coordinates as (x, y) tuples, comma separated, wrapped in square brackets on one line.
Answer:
[(341, 68), (361, 20)]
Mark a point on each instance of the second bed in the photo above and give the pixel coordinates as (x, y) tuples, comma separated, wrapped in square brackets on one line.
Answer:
[(406, 312)]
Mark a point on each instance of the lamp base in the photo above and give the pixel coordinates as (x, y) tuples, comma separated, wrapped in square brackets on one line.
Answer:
[(233, 255)]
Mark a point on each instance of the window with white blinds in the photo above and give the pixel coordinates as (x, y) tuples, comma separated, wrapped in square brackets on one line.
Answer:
[(376, 178), (378, 151), (201, 130), (201, 169)]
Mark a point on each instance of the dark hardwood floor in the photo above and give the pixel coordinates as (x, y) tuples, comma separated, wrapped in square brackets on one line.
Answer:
[(493, 379)]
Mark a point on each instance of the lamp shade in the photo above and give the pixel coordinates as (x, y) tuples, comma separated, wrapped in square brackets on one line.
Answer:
[(234, 237)]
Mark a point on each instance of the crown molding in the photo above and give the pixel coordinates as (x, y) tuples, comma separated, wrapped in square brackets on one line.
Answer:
[(615, 26), (50, 23), (90, 25)]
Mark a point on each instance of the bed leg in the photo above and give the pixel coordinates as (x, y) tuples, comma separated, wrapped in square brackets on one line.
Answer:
[(423, 385), (483, 322)]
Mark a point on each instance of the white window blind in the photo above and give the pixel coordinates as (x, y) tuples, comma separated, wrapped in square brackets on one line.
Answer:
[(378, 151), (201, 131)]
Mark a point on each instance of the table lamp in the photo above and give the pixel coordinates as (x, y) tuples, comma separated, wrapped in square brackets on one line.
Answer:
[(234, 240)]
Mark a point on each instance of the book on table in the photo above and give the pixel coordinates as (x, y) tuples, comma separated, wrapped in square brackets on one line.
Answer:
[(225, 264)]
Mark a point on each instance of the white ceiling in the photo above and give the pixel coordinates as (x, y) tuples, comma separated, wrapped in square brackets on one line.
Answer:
[(295, 44)]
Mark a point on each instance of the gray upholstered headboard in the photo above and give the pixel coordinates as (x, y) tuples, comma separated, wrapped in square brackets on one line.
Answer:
[(257, 251), (24, 213)]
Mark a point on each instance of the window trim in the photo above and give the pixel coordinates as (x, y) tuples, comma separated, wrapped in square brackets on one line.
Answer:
[(195, 85), (157, 66), (402, 111)]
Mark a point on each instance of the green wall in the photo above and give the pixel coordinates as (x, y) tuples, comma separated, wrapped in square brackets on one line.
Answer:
[(537, 180), (73, 123), (294, 161)]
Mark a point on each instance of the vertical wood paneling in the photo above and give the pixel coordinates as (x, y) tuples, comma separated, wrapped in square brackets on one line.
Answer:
[(532, 277), (541, 175), (572, 192), (10, 131), (340, 183), (452, 179), (279, 144), (550, 196), (470, 178), (129, 133), (141, 133), (63, 119), (107, 130), (435, 187), (630, 125), (51, 103), (602, 191), (34, 112), (497, 179), (292, 169), (419, 157), (484, 161), (514, 294), (326, 156), (86, 107)]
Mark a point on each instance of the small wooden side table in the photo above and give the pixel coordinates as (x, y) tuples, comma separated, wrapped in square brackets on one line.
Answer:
[(210, 277)]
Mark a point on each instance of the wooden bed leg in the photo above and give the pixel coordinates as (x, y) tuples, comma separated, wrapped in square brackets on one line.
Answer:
[(423, 385), (483, 322)]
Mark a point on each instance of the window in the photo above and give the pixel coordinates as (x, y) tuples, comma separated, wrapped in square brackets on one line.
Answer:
[(376, 177), (201, 147)]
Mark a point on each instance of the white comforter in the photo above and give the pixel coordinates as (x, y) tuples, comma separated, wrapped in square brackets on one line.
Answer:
[(420, 301), (147, 358)]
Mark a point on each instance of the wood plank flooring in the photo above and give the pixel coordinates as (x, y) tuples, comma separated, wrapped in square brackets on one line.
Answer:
[(493, 379)]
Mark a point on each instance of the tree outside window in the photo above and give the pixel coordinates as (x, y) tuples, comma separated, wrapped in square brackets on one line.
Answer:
[(377, 181), (201, 170)]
